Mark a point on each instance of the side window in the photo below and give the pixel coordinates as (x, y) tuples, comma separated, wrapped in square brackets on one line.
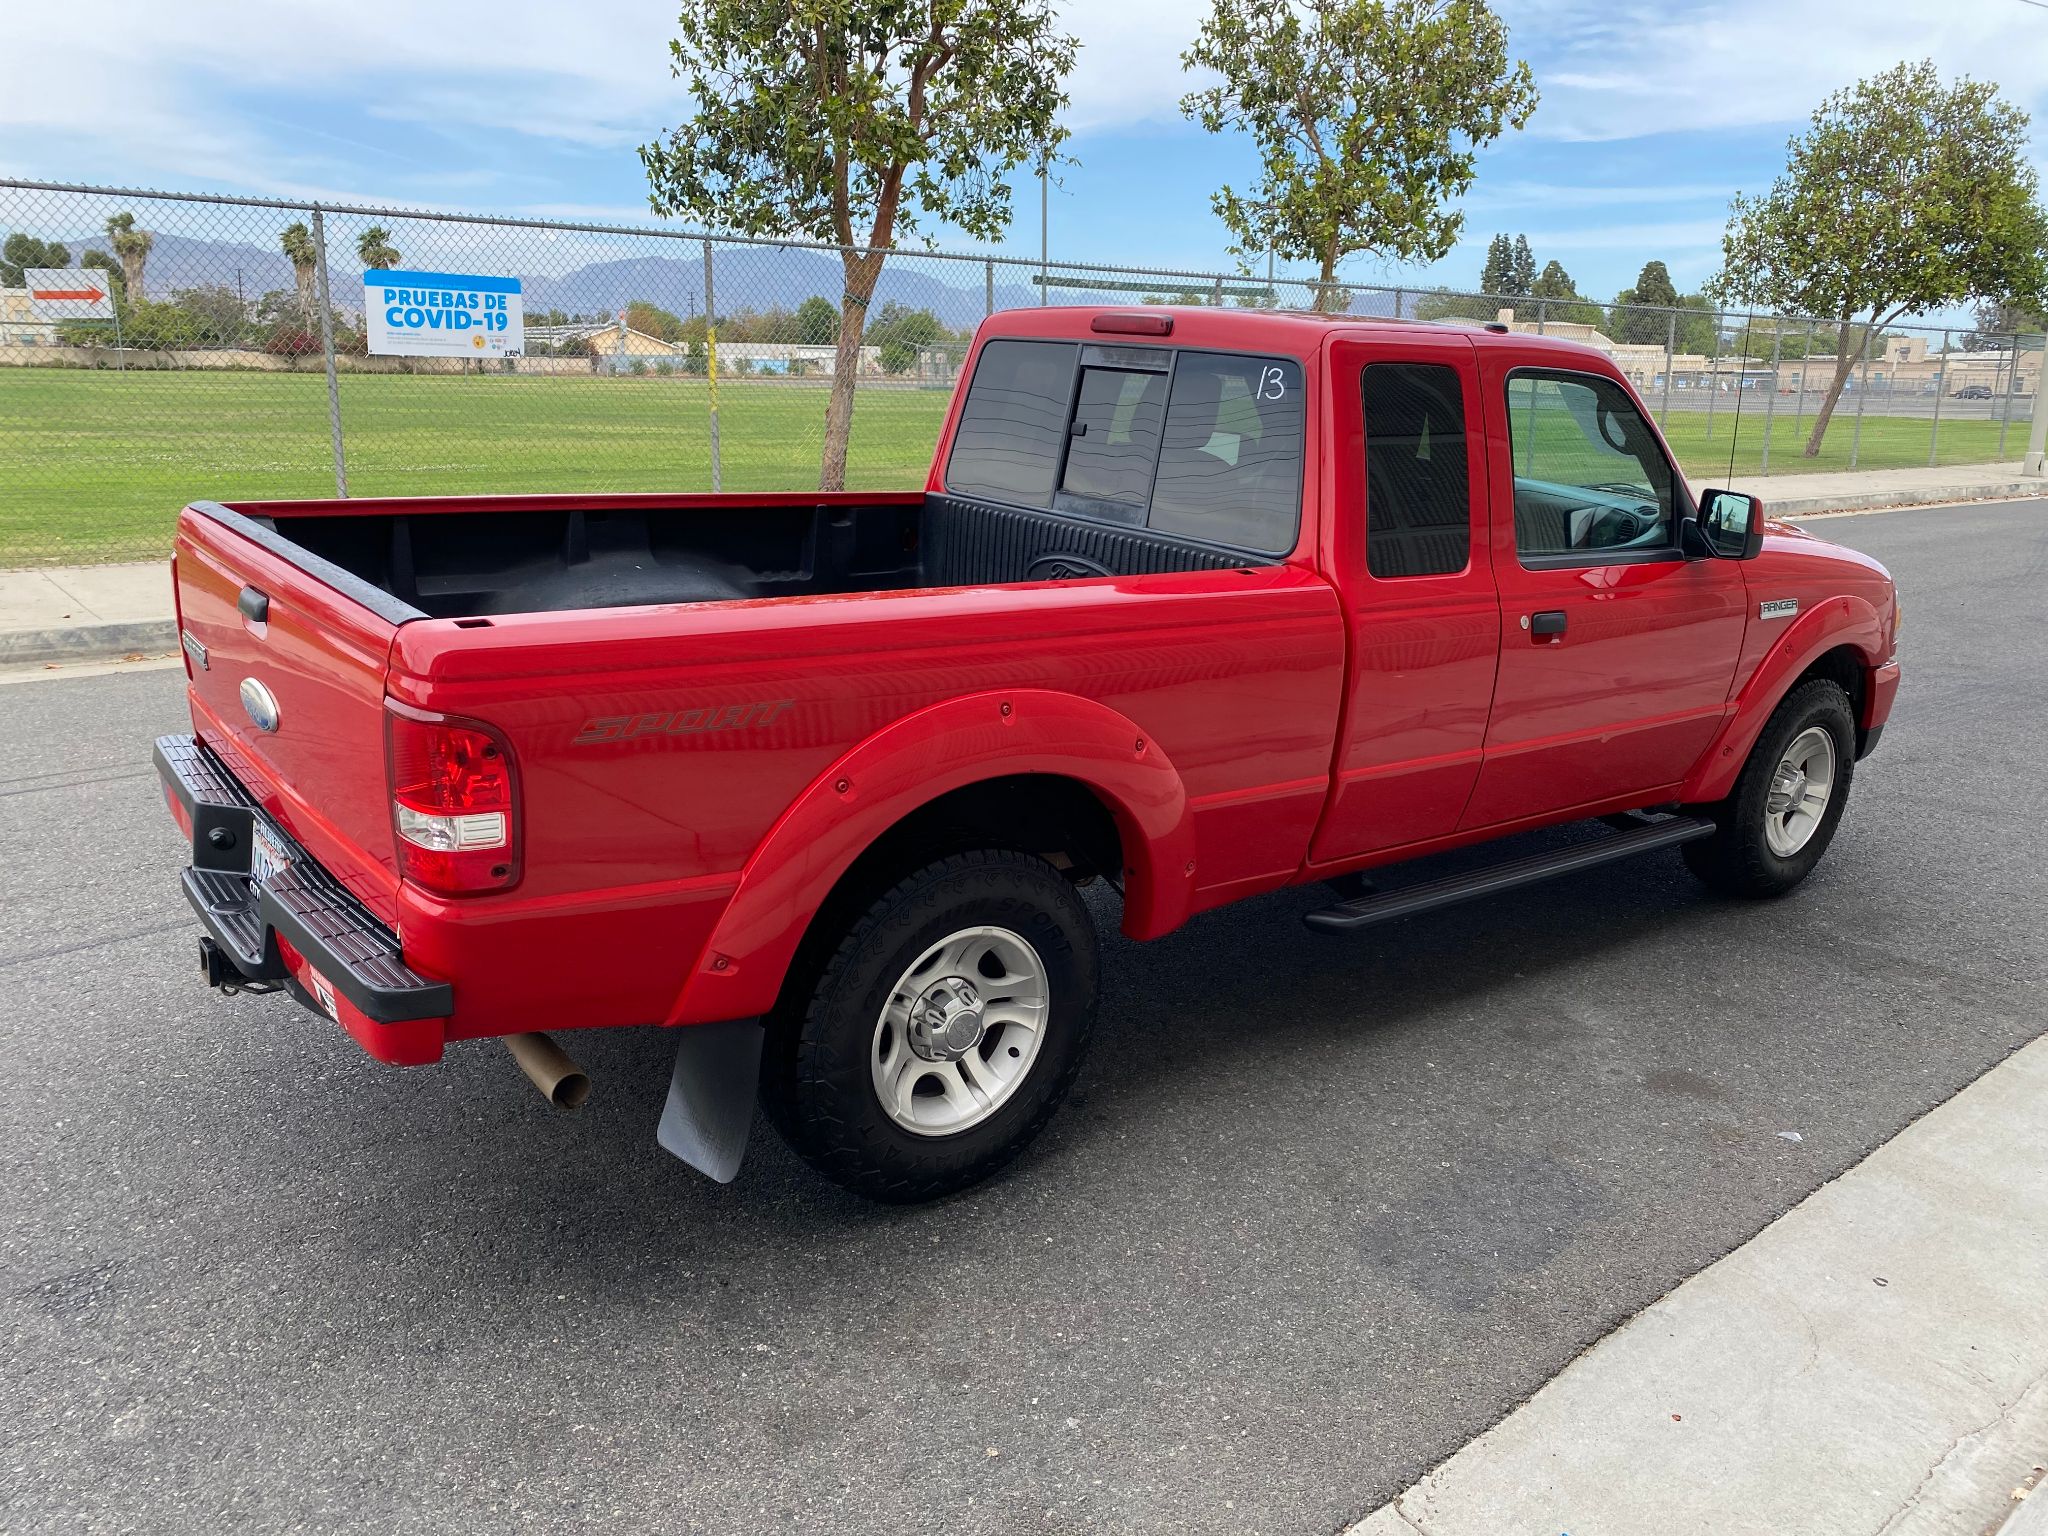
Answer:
[(1590, 479), (1418, 504), (1230, 455), (1007, 446), (1114, 439)]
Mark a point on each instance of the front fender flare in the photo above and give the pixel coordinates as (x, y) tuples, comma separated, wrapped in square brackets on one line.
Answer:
[(1836, 621), (910, 763)]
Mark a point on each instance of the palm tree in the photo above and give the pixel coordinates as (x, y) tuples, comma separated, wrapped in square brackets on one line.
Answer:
[(132, 246), (300, 251), (376, 248), (100, 261)]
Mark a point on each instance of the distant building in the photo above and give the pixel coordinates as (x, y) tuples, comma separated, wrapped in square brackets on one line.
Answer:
[(609, 341), (20, 324)]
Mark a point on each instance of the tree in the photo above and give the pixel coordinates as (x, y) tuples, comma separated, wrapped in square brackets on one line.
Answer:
[(899, 331), (1367, 116), (22, 251), (376, 250), (649, 320), (853, 121), (297, 243), (1445, 305), (218, 313), (1521, 269), (100, 261), (1554, 283), (1563, 304), (1699, 325), (132, 246), (817, 321), (1498, 274), (1999, 321), (1904, 195), (1644, 327)]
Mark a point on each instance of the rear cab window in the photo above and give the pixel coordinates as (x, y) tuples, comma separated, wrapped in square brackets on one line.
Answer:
[(1189, 443)]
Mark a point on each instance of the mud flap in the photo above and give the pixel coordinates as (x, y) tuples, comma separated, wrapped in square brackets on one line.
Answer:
[(711, 1096)]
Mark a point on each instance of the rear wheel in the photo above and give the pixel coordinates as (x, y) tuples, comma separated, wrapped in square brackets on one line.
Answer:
[(1772, 830), (942, 1031)]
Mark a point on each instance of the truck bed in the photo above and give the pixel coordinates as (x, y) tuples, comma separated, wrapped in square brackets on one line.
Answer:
[(464, 557)]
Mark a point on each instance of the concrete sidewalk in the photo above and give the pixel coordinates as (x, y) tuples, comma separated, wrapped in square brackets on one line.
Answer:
[(77, 613), (94, 612), (1864, 490), (1875, 1361)]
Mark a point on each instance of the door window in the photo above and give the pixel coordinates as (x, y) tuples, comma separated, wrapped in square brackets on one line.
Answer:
[(1591, 482), (1418, 504)]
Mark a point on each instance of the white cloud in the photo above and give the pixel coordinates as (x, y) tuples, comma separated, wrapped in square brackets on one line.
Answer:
[(133, 89), (1612, 69), (140, 89), (1619, 71), (1129, 68)]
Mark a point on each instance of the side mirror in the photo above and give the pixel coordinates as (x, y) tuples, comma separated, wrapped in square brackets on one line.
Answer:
[(1731, 525)]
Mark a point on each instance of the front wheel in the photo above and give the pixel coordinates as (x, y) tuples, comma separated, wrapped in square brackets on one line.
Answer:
[(942, 1031), (1772, 830)]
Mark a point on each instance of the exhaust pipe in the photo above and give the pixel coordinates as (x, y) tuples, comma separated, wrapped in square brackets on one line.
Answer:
[(564, 1084)]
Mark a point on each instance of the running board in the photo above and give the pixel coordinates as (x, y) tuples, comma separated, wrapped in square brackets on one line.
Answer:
[(1385, 906)]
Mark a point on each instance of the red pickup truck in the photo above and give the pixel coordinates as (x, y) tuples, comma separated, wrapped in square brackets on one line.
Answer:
[(1195, 603)]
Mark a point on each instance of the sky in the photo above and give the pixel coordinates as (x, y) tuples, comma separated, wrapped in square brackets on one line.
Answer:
[(1653, 114)]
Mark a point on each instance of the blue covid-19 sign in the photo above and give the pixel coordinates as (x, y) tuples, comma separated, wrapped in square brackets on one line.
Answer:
[(443, 314)]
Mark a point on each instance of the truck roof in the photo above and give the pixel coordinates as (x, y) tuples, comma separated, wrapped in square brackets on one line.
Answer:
[(1298, 332)]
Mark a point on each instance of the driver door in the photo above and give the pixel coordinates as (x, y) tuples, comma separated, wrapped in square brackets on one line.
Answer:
[(1616, 652)]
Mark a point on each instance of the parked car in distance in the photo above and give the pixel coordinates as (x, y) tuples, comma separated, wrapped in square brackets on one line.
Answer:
[(1974, 392), (1193, 605)]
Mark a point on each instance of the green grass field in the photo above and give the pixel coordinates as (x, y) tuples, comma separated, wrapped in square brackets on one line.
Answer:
[(95, 465)]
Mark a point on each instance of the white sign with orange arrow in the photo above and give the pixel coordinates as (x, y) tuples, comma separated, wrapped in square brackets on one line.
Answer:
[(56, 293)]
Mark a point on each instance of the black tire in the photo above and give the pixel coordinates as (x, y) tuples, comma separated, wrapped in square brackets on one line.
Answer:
[(817, 1080), (1737, 860)]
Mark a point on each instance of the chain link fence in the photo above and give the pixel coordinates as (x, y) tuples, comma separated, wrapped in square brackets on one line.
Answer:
[(230, 361)]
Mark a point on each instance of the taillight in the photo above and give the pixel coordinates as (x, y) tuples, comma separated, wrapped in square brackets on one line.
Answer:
[(454, 801)]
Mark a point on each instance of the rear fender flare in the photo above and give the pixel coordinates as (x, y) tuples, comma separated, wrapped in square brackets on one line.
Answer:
[(1832, 622), (910, 763)]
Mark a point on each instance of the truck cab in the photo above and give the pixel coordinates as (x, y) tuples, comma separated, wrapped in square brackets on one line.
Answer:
[(1196, 604)]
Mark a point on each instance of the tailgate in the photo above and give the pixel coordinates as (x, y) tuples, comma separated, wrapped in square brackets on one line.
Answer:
[(288, 637)]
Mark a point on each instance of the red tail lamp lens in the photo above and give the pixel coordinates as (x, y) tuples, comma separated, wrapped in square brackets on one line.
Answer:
[(454, 802)]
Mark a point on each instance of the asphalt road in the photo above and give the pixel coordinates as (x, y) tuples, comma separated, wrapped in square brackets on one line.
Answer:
[(1319, 1211)]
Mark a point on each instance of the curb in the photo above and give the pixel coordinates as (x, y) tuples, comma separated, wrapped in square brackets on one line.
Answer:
[(87, 642), (1919, 496), (2029, 1508)]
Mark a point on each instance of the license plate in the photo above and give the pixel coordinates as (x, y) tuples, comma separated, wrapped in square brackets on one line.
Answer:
[(268, 856)]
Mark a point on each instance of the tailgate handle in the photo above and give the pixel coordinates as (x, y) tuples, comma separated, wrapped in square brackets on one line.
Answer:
[(254, 605)]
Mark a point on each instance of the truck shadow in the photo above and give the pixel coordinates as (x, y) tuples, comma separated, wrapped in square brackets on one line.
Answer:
[(1243, 1044)]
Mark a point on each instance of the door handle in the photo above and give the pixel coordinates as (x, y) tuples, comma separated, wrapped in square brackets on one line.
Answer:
[(254, 605), (1549, 623)]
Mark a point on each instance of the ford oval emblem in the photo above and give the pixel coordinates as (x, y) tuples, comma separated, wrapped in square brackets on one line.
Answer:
[(261, 704), (1064, 567)]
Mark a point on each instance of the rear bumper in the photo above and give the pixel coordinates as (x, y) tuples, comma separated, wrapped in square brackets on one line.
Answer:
[(301, 926)]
